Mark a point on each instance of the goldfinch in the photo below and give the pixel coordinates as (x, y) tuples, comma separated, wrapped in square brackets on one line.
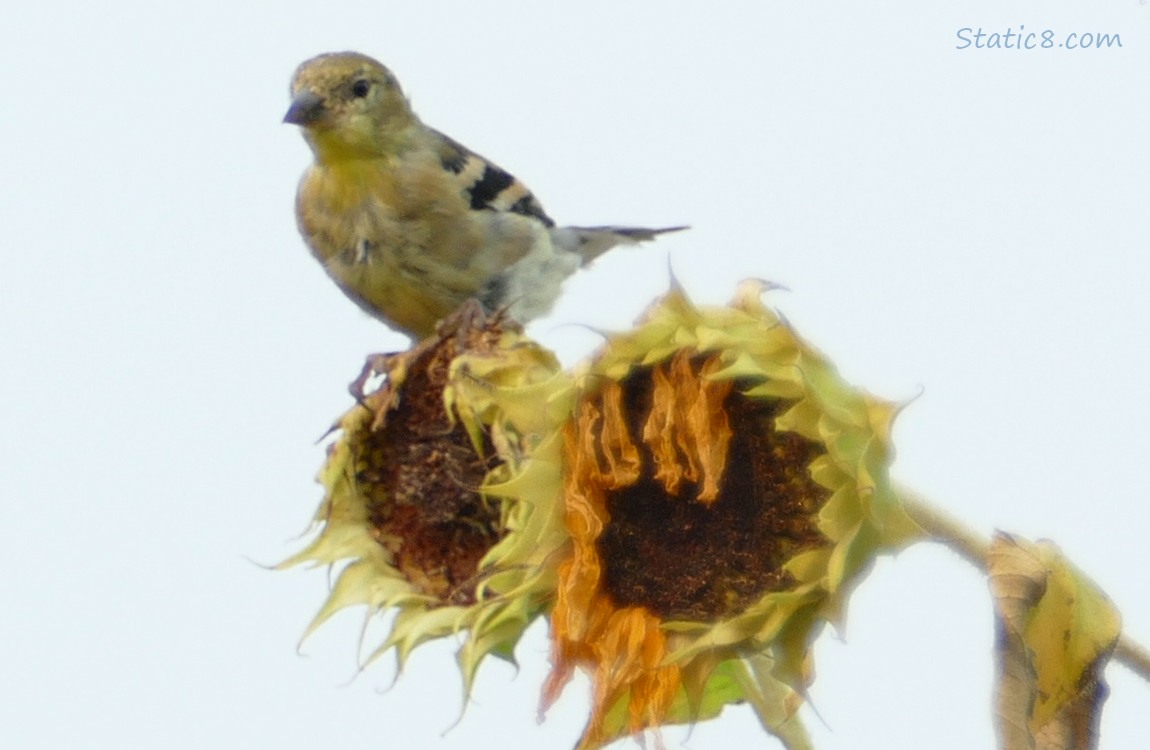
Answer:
[(409, 223)]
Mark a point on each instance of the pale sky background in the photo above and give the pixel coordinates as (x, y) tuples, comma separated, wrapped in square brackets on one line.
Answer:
[(967, 228)]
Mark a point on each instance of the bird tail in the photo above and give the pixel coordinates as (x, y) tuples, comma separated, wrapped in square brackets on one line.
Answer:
[(591, 242)]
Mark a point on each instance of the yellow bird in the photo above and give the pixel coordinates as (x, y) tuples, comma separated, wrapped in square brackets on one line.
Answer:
[(409, 223)]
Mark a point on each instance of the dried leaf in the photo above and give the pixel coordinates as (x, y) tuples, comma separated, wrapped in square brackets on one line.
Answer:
[(1056, 631)]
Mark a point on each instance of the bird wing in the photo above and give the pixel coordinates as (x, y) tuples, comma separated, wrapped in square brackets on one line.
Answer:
[(488, 186)]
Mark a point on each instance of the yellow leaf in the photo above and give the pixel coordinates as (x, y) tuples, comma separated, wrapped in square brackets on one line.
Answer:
[(1057, 630)]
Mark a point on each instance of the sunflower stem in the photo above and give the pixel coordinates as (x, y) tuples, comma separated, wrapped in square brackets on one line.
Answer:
[(943, 528), (1133, 655)]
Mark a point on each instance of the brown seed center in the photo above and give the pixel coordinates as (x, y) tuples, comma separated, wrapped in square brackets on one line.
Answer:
[(420, 472), (686, 556)]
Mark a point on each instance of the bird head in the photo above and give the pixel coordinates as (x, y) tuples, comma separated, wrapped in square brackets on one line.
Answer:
[(349, 106)]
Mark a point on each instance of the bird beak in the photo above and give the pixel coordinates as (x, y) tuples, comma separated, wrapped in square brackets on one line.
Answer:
[(305, 109)]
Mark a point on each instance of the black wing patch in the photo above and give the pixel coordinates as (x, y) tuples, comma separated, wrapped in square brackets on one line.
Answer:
[(491, 186), (528, 206), (453, 156), (487, 188), (485, 192)]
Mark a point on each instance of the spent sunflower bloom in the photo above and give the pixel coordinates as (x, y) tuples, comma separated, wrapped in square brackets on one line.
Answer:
[(406, 508), (724, 489)]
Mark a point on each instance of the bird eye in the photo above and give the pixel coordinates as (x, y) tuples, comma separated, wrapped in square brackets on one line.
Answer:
[(360, 88)]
